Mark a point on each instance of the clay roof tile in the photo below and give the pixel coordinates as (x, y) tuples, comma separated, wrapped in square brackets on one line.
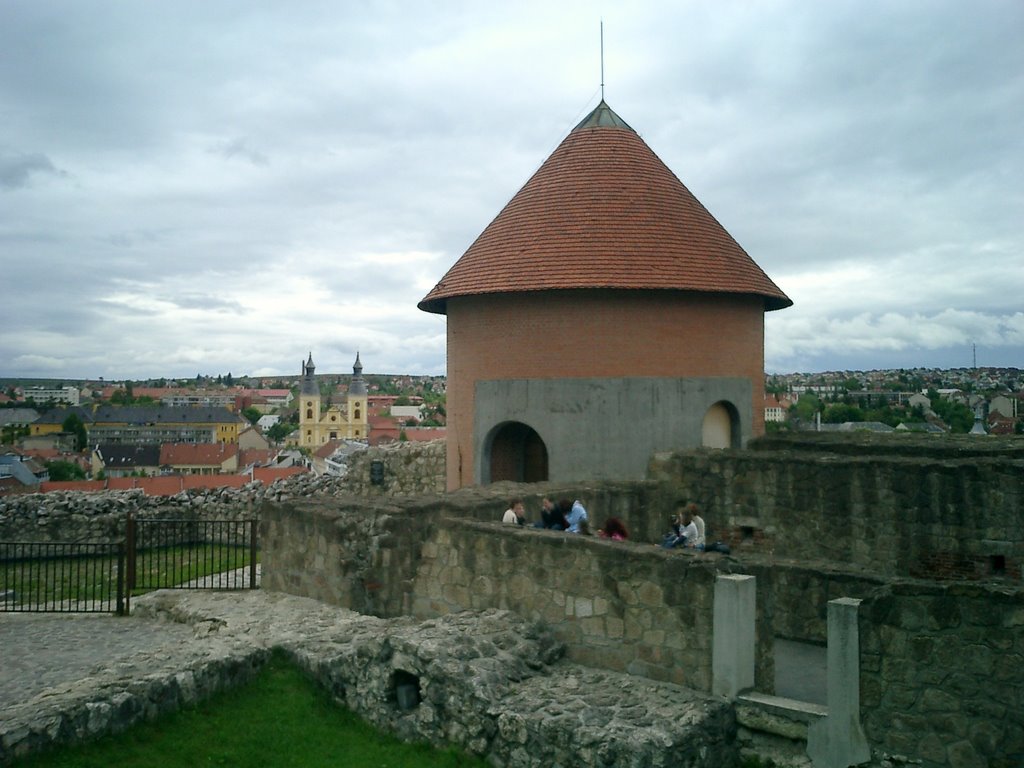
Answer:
[(604, 211)]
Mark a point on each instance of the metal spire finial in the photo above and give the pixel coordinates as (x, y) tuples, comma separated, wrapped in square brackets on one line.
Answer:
[(602, 59)]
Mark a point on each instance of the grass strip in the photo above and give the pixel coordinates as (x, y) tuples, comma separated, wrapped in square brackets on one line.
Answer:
[(281, 719), (58, 581)]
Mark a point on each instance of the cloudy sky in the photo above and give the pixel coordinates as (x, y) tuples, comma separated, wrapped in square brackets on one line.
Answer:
[(209, 187)]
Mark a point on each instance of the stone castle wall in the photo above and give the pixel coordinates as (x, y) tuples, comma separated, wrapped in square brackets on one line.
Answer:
[(942, 673), (940, 517), (70, 516), (633, 607)]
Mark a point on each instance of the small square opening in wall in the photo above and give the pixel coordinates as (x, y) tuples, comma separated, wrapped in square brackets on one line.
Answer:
[(997, 565), (405, 690), (747, 532)]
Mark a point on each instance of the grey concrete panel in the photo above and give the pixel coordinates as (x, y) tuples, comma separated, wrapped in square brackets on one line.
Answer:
[(605, 429)]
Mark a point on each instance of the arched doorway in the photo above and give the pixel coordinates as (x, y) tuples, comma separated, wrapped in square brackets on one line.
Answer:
[(517, 453), (721, 425)]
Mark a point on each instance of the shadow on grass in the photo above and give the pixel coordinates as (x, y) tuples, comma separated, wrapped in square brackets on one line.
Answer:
[(280, 719)]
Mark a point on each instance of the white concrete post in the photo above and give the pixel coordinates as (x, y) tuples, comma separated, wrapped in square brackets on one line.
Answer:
[(838, 740), (732, 657)]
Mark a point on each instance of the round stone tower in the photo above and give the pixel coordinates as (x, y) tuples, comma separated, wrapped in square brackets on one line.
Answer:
[(604, 315)]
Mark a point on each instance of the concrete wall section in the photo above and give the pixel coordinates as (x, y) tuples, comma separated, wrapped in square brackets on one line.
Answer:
[(603, 428)]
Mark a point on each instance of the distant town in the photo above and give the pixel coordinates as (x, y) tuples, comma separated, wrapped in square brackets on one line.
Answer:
[(225, 430)]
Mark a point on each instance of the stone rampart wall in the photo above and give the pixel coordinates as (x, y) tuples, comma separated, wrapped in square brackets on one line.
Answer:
[(942, 673), (890, 515), (410, 469), (69, 516), (616, 606)]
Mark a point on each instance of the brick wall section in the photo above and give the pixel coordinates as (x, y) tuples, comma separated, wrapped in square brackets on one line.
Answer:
[(580, 334)]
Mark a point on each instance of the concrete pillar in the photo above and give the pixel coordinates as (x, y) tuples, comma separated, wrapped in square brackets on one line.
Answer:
[(732, 658), (838, 740)]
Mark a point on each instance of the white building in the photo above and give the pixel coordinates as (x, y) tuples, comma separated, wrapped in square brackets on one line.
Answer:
[(68, 395)]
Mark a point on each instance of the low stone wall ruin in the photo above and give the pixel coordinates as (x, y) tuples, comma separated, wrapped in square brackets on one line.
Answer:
[(73, 516), (489, 682)]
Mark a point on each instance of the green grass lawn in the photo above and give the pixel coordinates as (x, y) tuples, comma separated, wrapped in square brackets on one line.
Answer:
[(282, 719)]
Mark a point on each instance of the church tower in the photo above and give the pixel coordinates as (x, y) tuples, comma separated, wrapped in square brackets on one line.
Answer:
[(318, 425), (356, 401), (309, 406)]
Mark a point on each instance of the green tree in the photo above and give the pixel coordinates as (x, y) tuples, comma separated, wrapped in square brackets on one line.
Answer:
[(64, 470), (958, 417), (805, 408), (252, 414), (73, 424), (280, 431), (840, 413)]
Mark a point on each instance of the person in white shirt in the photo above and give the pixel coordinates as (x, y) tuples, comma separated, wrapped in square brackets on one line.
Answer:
[(515, 514)]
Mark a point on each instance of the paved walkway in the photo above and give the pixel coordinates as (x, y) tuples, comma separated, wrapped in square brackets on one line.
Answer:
[(40, 651)]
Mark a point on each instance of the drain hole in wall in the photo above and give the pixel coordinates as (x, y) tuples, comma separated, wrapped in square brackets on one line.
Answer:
[(405, 690)]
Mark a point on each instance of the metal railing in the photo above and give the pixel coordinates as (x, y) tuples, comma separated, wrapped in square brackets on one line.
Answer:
[(77, 577), (175, 554), (62, 577)]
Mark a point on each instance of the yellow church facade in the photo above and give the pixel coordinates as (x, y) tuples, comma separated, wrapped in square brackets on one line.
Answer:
[(319, 425)]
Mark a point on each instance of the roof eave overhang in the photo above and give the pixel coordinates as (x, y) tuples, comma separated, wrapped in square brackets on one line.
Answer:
[(439, 305)]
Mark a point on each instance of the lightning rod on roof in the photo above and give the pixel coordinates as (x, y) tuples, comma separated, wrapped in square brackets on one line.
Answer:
[(602, 59)]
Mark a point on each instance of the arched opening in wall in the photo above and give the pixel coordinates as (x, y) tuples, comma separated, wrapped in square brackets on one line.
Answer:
[(721, 427), (516, 452)]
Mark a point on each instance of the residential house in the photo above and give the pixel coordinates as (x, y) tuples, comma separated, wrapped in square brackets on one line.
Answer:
[(121, 460), (776, 408), (251, 437), (1008, 405), (17, 417), (21, 472), (199, 458), (148, 424)]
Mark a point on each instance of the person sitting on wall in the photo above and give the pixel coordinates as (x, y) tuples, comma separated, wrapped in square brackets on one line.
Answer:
[(614, 529), (515, 514), (551, 516), (576, 518), (684, 530), (698, 521)]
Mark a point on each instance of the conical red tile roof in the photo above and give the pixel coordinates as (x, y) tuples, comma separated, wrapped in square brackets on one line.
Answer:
[(604, 211)]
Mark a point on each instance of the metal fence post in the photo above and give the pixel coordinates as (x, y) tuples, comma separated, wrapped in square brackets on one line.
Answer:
[(129, 535), (122, 600), (252, 554)]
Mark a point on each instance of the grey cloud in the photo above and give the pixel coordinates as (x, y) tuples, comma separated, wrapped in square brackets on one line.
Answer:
[(17, 170), (206, 302), (240, 148)]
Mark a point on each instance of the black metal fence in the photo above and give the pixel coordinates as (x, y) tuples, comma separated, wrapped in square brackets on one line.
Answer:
[(62, 577), (155, 554)]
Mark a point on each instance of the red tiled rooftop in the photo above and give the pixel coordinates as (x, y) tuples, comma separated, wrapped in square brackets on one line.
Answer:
[(196, 454), (268, 475), (604, 211), (71, 485)]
